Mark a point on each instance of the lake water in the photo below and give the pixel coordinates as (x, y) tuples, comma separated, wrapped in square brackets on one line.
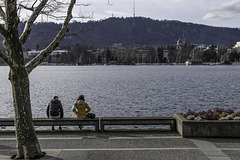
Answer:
[(129, 90)]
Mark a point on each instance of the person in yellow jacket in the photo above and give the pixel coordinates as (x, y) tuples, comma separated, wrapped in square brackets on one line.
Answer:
[(82, 108)]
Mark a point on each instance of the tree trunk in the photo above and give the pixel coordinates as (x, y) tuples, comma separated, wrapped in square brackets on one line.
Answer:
[(27, 143)]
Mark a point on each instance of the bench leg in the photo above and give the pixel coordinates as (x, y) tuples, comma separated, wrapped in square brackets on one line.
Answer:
[(102, 128), (97, 127), (173, 126)]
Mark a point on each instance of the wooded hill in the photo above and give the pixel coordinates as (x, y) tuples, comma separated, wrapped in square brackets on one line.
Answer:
[(132, 31)]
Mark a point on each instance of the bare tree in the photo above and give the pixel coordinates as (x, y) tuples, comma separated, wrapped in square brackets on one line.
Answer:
[(10, 12)]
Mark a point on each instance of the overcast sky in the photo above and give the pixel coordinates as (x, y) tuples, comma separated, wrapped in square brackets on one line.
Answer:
[(225, 13)]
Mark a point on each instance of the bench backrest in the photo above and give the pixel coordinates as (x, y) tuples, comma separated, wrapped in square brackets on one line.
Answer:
[(49, 122)]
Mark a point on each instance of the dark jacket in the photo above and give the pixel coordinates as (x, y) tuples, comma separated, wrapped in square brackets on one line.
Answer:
[(55, 108)]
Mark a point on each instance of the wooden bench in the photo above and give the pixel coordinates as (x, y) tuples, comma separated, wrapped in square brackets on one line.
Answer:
[(138, 121), (56, 122)]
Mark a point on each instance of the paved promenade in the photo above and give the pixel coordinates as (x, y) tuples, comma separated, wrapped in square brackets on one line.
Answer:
[(126, 146)]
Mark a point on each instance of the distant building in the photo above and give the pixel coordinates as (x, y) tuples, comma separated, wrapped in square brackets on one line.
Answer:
[(142, 54), (200, 46), (237, 45), (116, 47), (98, 51), (118, 52), (34, 53), (181, 42), (59, 52), (225, 56), (31, 54), (99, 54)]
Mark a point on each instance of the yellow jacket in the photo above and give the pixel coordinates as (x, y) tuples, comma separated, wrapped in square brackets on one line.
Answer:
[(82, 108)]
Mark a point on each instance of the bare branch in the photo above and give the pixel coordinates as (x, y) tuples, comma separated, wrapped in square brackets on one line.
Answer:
[(109, 4), (2, 14), (59, 9), (80, 15), (82, 29), (28, 25), (85, 16), (8, 59), (25, 7), (51, 47), (34, 3), (54, 6), (3, 31)]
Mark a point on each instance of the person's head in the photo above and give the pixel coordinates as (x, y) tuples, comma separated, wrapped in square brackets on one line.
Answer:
[(55, 97), (81, 97)]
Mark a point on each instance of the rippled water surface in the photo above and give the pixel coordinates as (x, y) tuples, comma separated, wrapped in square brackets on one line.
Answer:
[(129, 90)]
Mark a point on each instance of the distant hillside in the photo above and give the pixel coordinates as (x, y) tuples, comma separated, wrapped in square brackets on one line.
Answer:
[(133, 31)]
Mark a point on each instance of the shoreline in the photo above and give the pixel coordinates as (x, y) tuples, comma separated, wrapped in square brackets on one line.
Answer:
[(140, 64)]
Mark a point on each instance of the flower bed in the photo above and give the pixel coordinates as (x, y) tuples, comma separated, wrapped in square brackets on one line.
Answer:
[(211, 124), (215, 114)]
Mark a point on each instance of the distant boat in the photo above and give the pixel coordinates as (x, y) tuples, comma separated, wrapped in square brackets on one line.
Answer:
[(193, 62)]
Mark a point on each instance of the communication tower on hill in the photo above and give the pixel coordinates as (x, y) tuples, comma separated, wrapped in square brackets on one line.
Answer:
[(134, 11)]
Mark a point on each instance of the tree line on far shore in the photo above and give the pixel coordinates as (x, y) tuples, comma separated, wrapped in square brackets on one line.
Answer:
[(87, 55)]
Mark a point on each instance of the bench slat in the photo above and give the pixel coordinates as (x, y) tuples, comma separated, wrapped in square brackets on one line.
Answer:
[(138, 121), (50, 122)]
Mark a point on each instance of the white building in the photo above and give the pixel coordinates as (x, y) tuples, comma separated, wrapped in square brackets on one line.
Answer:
[(116, 47), (59, 52), (237, 45), (34, 53), (31, 54)]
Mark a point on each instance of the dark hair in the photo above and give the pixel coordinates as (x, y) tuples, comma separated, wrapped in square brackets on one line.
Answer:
[(81, 97), (55, 97)]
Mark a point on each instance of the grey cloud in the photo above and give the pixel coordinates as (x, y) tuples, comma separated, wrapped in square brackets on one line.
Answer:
[(228, 10), (217, 16)]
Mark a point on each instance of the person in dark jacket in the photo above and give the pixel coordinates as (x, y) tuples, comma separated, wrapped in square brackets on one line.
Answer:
[(55, 110)]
